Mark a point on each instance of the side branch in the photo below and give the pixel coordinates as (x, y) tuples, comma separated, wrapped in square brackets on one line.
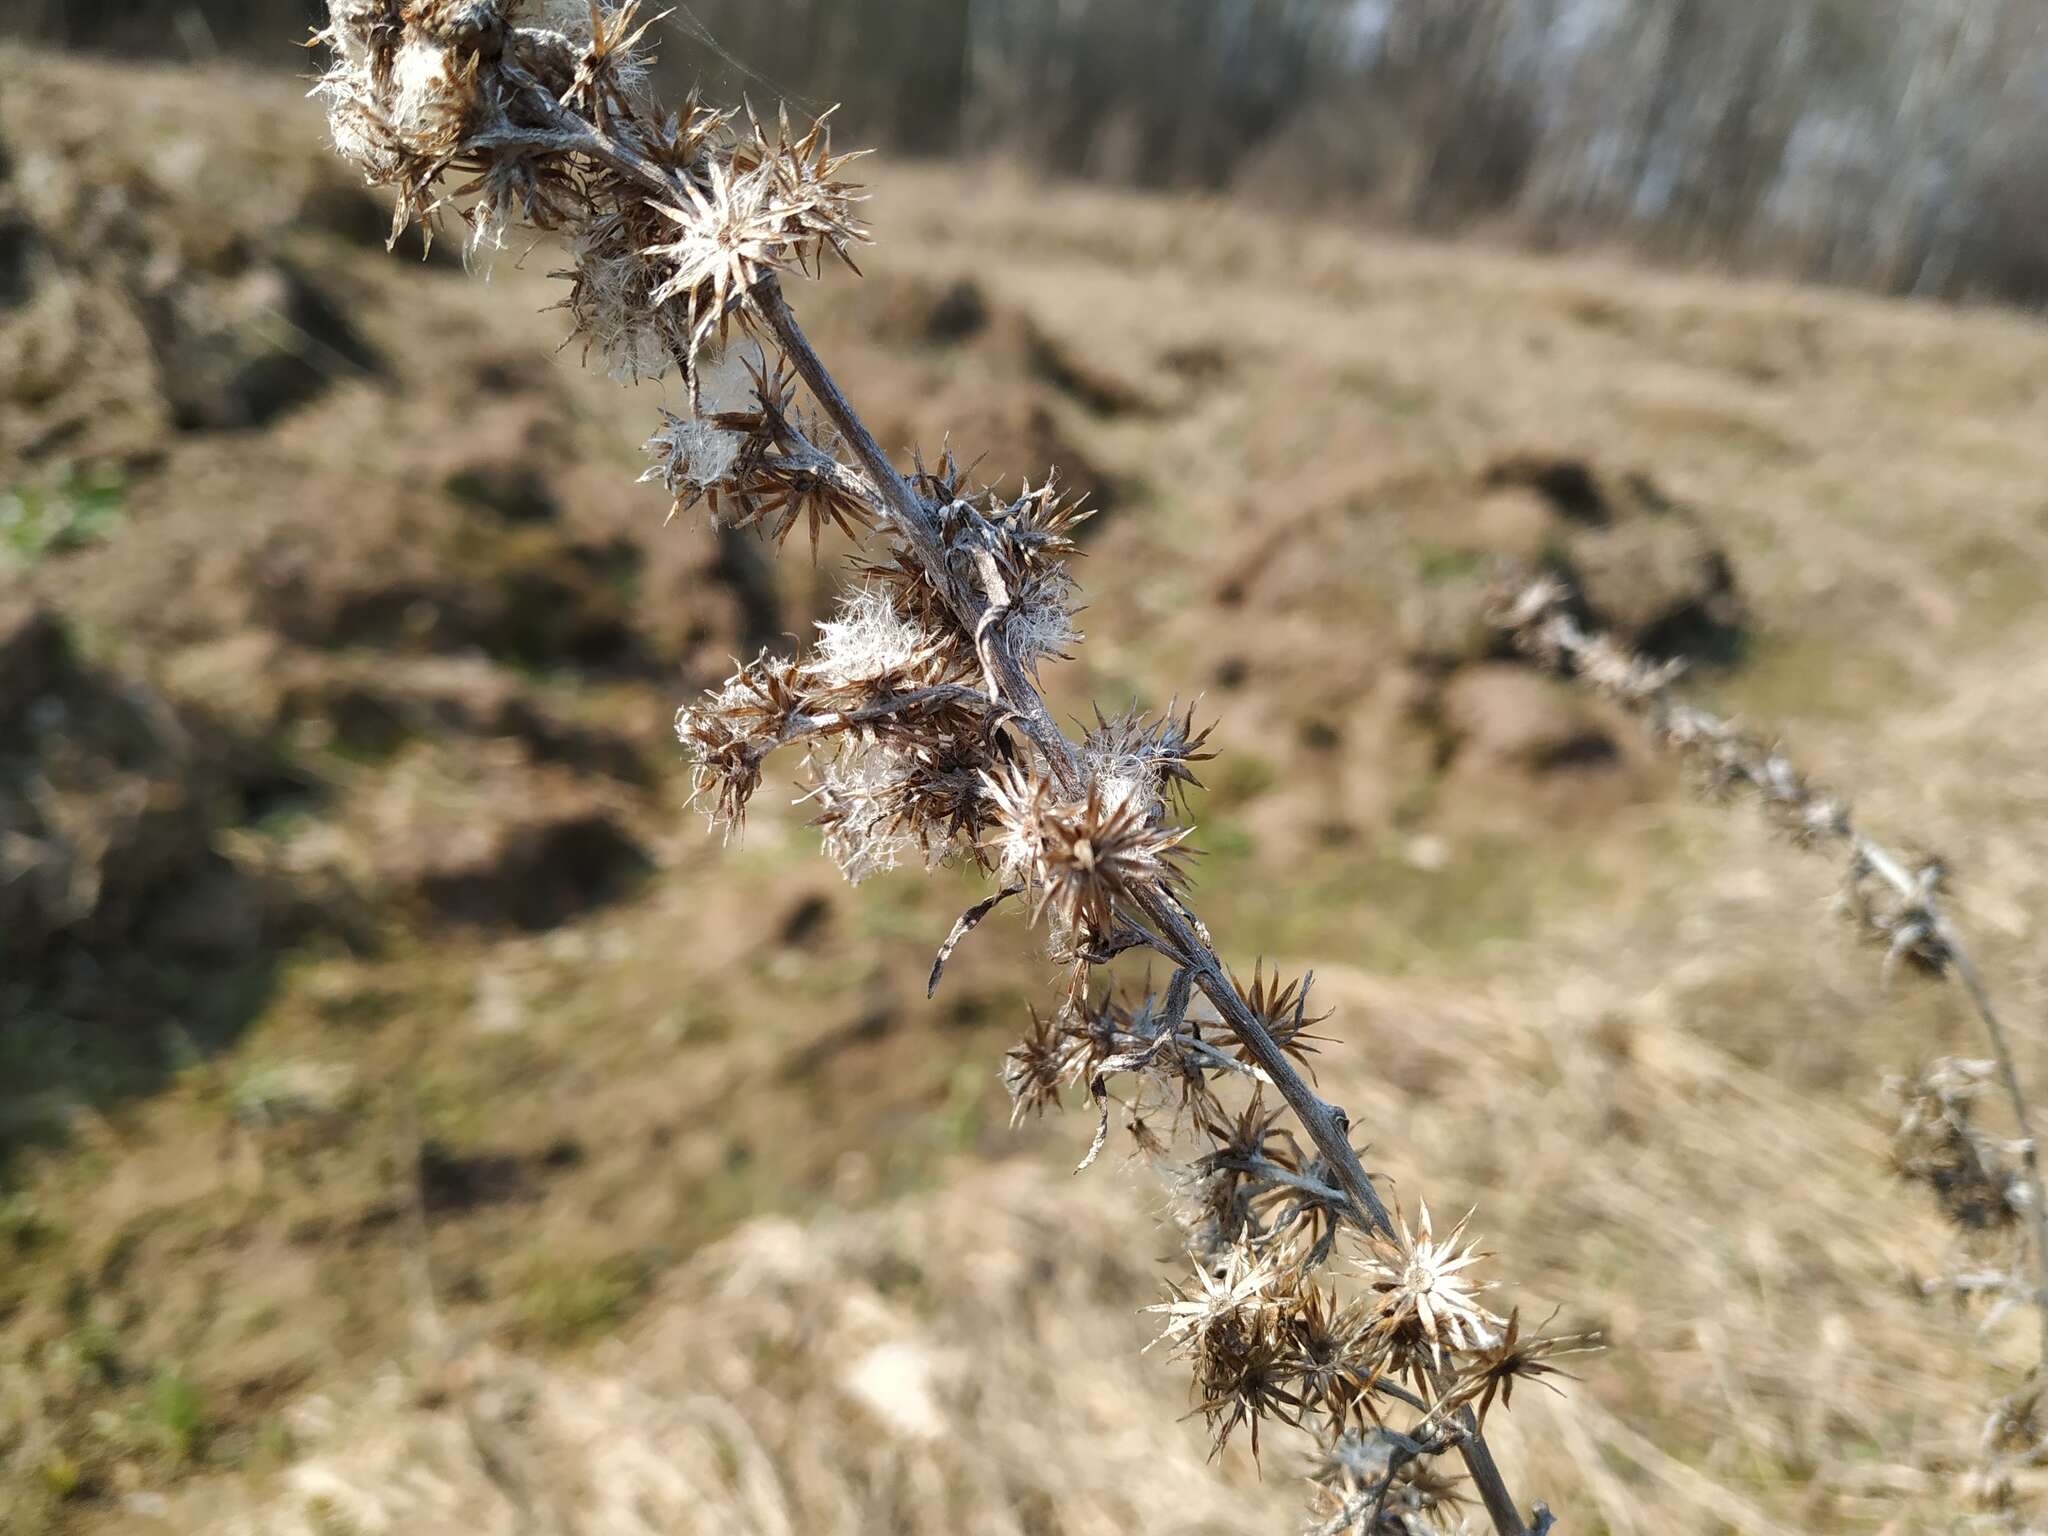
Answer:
[(919, 524), (1913, 924)]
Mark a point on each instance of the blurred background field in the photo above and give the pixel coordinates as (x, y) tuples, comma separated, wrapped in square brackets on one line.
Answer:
[(410, 1121), (1895, 144)]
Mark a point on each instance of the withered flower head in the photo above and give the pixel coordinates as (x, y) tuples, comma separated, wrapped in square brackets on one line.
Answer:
[(1252, 1135), (1034, 532), (1038, 626), (771, 206), (610, 72), (1077, 857), (1974, 1176), (1426, 1302), (1230, 1326), (1038, 1067), (1283, 1010), (729, 732), (872, 643), (1495, 1369), (1336, 1354), (1137, 758), (881, 798), (1424, 1496), (746, 452)]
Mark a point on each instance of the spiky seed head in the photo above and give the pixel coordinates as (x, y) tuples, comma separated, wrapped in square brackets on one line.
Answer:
[(1495, 1369), (765, 208), (1134, 756), (1336, 1354), (1037, 1067), (1427, 1303), (728, 732), (1283, 1010), (1230, 1327), (1078, 857)]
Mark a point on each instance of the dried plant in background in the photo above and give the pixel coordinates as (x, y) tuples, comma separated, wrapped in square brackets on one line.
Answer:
[(1987, 1187), (923, 733)]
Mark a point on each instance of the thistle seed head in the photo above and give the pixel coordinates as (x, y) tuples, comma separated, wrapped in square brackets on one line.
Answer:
[(1230, 1325), (1078, 857), (729, 732), (1427, 1304), (1495, 1369), (1136, 758)]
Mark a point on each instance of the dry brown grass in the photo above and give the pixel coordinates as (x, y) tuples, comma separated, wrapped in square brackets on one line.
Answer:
[(1674, 1062)]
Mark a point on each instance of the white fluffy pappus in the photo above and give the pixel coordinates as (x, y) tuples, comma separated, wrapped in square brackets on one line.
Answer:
[(869, 640)]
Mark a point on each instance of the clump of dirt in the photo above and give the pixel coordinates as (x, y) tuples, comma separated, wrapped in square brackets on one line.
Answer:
[(133, 308), (1641, 566), (129, 935), (1503, 720), (496, 844), (1429, 696), (1646, 568), (366, 705), (1003, 338), (108, 802), (925, 312), (246, 342)]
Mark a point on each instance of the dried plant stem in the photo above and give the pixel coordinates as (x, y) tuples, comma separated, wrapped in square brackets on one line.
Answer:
[(1327, 1125), (918, 524), (677, 224), (2008, 1072), (1918, 926)]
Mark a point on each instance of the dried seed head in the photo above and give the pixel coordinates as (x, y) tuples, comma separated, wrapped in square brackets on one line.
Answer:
[(1511, 1358), (611, 298), (1384, 1483), (772, 205), (1032, 534), (1424, 1497), (729, 732), (872, 644), (694, 457), (1936, 1141), (880, 799), (860, 797), (1038, 1067), (1144, 760), (611, 73), (1229, 1326), (1077, 857), (1242, 1288), (1039, 625), (914, 592), (1426, 1302), (1283, 1010), (1336, 1354)]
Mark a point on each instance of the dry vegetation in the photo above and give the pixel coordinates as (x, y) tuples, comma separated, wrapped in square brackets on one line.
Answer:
[(402, 1187)]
